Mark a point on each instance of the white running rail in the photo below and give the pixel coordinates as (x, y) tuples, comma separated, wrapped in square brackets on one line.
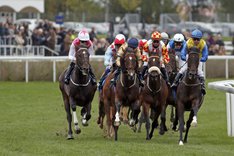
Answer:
[(228, 87)]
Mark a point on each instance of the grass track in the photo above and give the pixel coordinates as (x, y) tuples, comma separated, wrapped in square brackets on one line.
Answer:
[(33, 123)]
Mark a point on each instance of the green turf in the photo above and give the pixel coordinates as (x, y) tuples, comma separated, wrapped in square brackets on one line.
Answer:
[(33, 122)]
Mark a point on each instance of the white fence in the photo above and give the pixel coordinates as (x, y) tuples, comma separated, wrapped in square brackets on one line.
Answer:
[(56, 59), (228, 87)]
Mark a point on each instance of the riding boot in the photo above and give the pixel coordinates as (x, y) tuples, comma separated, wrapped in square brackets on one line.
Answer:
[(203, 87), (176, 81), (117, 72), (68, 73), (93, 77), (143, 71), (103, 78), (165, 75)]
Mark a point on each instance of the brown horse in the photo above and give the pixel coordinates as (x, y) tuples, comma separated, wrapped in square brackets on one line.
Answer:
[(79, 92), (154, 95), (189, 96), (127, 90)]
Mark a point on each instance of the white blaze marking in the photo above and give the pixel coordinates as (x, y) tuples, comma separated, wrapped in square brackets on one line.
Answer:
[(130, 58)]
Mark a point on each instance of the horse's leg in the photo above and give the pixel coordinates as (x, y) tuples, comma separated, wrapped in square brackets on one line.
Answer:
[(155, 122), (175, 122), (135, 112), (117, 114), (188, 124), (73, 107), (163, 126), (145, 114), (195, 110), (172, 117), (101, 114), (108, 116), (180, 110), (85, 113), (69, 116), (141, 120)]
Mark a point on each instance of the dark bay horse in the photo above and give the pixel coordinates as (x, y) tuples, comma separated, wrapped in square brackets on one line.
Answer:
[(189, 96), (172, 70), (79, 92), (154, 95), (127, 90)]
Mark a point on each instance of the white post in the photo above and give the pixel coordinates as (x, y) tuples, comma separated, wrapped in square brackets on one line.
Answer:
[(230, 115), (26, 71), (226, 69), (54, 71)]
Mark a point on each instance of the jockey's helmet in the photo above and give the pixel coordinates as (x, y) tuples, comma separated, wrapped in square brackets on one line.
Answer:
[(142, 42), (178, 37), (196, 34), (164, 36), (83, 35), (119, 39), (133, 43), (156, 35)]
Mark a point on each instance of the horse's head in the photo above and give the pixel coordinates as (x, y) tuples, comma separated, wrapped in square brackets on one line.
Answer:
[(171, 67), (130, 64), (154, 60), (193, 62), (82, 60), (154, 65)]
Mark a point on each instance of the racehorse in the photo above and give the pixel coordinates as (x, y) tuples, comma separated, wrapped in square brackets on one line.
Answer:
[(127, 90), (172, 70), (79, 92), (154, 95), (189, 96)]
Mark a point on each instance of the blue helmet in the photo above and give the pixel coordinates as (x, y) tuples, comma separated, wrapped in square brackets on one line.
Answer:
[(133, 43), (196, 34)]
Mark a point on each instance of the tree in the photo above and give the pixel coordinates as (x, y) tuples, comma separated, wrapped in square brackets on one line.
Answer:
[(130, 5)]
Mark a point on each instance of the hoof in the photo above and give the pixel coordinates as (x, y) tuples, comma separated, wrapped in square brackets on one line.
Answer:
[(70, 137), (78, 131), (181, 143), (148, 138), (194, 123), (84, 123), (161, 132)]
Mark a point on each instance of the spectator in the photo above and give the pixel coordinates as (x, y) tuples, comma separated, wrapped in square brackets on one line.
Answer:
[(219, 45), (67, 42), (210, 43), (92, 34)]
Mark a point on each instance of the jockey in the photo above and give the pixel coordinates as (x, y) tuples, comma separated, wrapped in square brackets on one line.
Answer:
[(176, 45), (195, 40), (109, 59), (165, 38), (141, 45), (156, 45), (132, 44), (82, 40)]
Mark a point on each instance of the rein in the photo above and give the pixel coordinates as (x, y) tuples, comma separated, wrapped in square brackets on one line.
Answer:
[(121, 80), (191, 85), (147, 84), (80, 84)]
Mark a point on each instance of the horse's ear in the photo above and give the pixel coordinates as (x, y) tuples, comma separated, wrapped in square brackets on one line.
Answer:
[(194, 49)]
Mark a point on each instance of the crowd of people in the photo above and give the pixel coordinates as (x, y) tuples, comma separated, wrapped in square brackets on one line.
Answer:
[(60, 39)]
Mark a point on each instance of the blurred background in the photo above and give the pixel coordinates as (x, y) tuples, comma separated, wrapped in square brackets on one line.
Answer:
[(55, 23)]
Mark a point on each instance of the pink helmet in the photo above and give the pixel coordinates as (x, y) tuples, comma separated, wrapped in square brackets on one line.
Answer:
[(83, 35), (119, 39)]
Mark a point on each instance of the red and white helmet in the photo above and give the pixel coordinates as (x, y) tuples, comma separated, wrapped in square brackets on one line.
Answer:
[(83, 35), (142, 42), (119, 39)]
